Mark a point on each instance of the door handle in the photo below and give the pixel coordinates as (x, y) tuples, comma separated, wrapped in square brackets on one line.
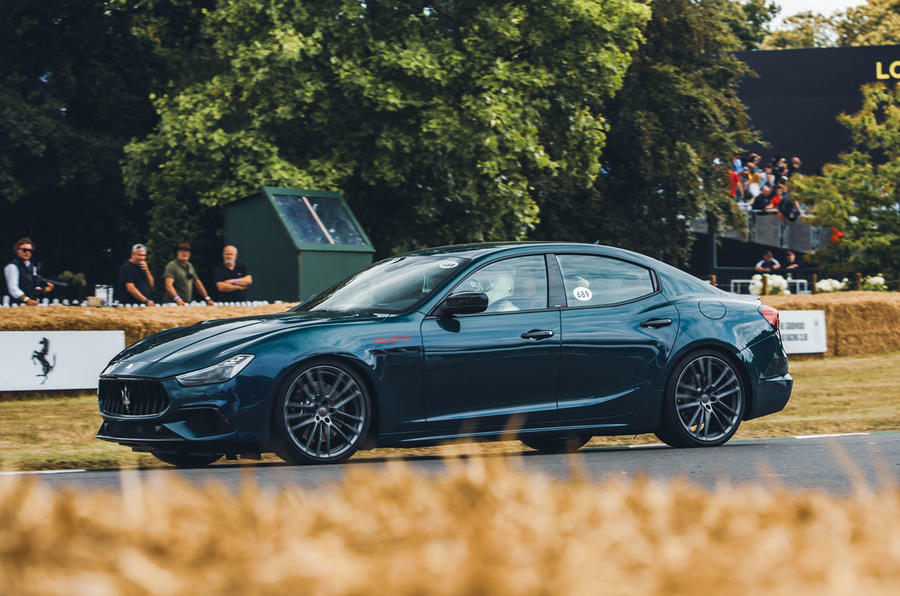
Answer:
[(537, 334), (656, 323)]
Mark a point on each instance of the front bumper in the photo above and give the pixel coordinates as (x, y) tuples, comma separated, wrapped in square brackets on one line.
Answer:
[(231, 416)]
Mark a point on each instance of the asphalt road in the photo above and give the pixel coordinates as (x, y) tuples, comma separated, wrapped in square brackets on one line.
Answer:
[(835, 464)]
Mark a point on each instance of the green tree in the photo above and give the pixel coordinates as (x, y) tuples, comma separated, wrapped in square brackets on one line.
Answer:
[(677, 111), (434, 119), (74, 86), (803, 30), (877, 22), (860, 193)]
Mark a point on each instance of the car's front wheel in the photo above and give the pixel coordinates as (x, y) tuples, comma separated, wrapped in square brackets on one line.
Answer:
[(704, 401), (186, 460), (322, 414)]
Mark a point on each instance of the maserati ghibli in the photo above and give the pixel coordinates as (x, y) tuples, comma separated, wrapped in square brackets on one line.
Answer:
[(549, 343)]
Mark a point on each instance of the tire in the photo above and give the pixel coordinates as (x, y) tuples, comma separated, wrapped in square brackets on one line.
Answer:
[(187, 460), (322, 414), (704, 401), (556, 444)]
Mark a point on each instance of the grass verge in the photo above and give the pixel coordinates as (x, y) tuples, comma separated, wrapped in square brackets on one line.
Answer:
[(837, 395)]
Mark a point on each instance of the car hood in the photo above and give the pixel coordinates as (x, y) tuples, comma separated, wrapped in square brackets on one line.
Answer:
[(183, 343)]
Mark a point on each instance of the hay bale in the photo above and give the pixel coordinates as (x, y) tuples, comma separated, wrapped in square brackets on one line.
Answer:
[(137, 323), (856, 322)]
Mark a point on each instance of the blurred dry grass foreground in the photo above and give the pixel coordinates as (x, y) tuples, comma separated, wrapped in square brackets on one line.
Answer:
[(482, 528)]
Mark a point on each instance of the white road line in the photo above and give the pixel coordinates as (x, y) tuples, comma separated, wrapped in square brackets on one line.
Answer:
[(828, 436), (40, 472)]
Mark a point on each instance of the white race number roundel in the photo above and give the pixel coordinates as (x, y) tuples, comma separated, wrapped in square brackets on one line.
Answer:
[(582, 294), (448, 264)]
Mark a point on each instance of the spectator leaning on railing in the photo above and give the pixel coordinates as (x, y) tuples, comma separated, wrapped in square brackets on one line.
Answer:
[(181, 277), (135, 280), (231, 277), (23, 282), (768, 264)]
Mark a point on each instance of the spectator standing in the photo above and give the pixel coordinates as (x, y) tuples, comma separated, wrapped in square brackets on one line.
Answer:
[(794, 166), (789, 208), (23, 282), (768, 264), (792, 266), (736, 164), (737, 190), (231, 277), (776, 199), (181, 277), (135, 280), (768, 177), (753, 187), (762, 199)]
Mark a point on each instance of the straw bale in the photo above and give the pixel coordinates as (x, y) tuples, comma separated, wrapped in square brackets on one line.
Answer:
[(137, 323), (856, 322), (480, 528)]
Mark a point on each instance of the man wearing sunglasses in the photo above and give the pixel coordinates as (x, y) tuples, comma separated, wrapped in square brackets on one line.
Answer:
[(23, 283), (181, 277)]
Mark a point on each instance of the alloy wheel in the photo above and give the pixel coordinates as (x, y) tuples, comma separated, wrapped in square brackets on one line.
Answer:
[(708, 398), (325, 412)]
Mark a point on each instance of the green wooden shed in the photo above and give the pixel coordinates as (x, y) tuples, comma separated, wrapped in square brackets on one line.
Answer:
[(295, 242)]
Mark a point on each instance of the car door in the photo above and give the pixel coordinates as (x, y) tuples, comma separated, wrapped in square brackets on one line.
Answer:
[(496, 369), (617, 331)]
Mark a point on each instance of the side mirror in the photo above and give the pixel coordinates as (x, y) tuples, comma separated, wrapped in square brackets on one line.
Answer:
[(464, 303)]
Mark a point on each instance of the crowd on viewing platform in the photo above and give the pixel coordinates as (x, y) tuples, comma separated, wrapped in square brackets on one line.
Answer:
[(765, 189), (22, 284)]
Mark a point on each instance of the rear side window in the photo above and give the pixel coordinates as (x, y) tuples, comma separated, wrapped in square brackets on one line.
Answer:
[(593, 280)]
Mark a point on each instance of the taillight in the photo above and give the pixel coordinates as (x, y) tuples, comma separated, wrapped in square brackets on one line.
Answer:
[(770, 314)]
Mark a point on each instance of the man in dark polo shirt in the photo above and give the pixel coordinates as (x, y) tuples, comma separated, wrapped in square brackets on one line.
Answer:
[(231, 277), (135, 280)]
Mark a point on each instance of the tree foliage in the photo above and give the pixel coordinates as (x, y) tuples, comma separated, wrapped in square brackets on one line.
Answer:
[(677, 110), (877, 22), (74, 86), (860, 193), (434, 119)]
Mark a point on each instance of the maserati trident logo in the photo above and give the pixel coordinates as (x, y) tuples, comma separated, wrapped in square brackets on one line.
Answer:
[(126, 399)]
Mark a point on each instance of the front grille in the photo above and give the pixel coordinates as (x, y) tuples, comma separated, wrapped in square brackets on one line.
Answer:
[(132, 397)]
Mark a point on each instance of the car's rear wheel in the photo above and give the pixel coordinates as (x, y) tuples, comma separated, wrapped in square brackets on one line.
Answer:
[(187, 460), (704, 401), (556, 444), (322, 415)]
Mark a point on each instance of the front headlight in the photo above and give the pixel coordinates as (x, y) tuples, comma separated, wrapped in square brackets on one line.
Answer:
[(217, 373)]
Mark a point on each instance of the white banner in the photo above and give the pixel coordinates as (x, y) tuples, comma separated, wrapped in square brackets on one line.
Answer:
[(44, 360), (803, 331)]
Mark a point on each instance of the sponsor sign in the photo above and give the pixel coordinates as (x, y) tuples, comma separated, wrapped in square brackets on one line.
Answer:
[(803, 331), (39, 360)]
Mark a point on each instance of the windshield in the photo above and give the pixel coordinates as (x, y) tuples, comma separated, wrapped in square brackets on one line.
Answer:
[(390, 286)]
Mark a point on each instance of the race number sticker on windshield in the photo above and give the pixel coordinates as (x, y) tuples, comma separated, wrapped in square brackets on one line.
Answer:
[(448, 264), (582, 294)]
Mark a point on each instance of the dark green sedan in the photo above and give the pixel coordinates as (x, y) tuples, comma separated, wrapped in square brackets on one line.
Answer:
[(550, 343)]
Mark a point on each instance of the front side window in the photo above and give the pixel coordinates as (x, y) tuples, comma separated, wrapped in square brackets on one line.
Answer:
[(593, 280), (513, 284)]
